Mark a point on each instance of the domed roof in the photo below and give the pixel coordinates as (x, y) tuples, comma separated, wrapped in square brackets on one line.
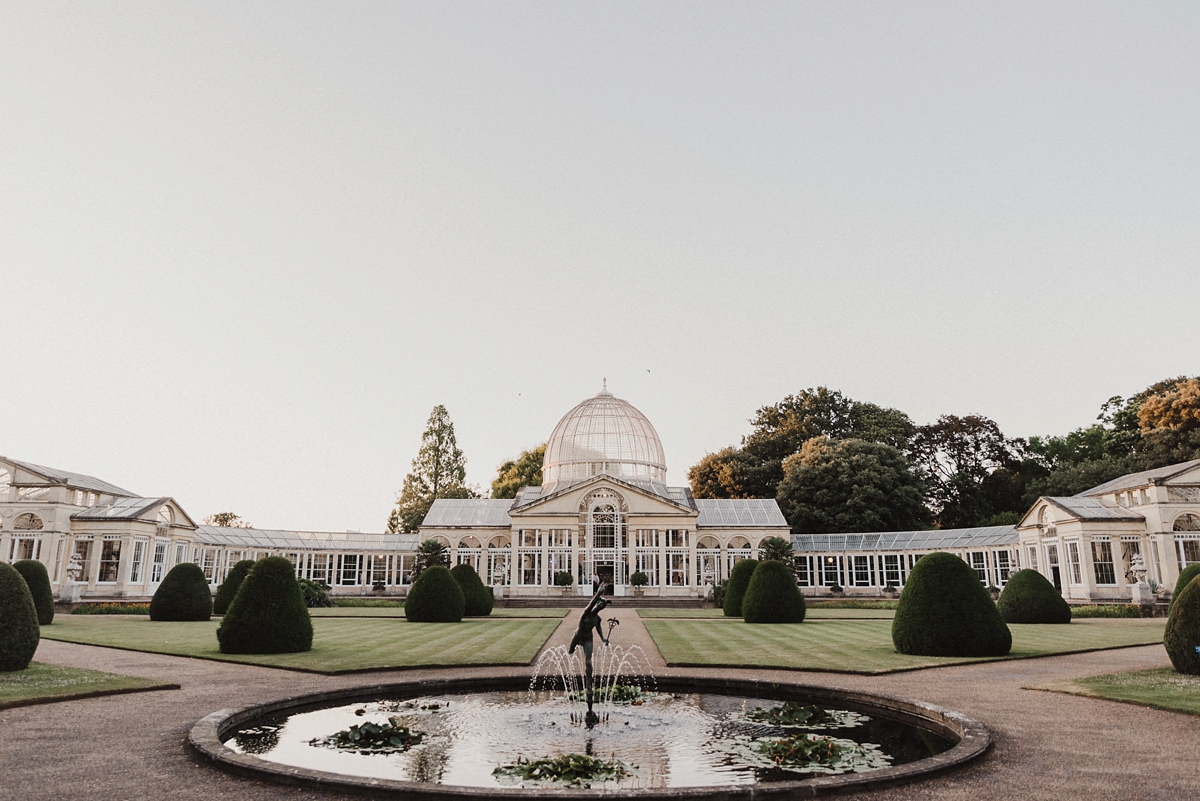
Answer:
[(603, 434)]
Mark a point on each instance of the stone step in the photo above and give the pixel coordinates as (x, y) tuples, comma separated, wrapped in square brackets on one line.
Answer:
[(579, 601)]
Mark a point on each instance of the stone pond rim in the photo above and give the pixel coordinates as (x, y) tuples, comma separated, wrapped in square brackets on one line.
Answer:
[(970, 741)]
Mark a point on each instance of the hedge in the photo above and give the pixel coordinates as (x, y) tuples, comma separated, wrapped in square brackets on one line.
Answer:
[(19, 631), (1185, 578), (435, 597), (34, 573), (183, 595), (1030, 598), (477, 598), (945, 611), (772, 595), (268, 615), (1182, 635), (735, 588), (229, 587)]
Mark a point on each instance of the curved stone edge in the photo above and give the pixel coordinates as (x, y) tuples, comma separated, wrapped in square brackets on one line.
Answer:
[(971, 740)]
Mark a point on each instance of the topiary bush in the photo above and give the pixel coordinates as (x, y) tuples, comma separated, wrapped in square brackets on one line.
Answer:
[(267, 615), (563, 579), (35, 575), (435, 597), (229, 587), (945, 611), (1185, 578), (183, 595), (772, 595), (739, 580), (477, 598), (639, 579), (1030, 598), (1182, 636), (19, 632)]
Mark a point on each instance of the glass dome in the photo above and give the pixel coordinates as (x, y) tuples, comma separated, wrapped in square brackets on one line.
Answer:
[(603, 434)]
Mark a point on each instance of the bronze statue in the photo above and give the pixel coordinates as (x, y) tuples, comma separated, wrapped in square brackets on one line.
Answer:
[(590, 619)]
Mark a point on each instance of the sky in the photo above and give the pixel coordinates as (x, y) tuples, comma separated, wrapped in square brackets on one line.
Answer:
[(245, 248)]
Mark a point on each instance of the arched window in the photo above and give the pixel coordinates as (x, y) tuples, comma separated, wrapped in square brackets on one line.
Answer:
[(166, 515), (605, 511), (739, 543), (28, 522), (1187, 522)]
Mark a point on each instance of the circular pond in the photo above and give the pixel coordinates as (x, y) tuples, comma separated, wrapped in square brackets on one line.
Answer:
[(695, 736)]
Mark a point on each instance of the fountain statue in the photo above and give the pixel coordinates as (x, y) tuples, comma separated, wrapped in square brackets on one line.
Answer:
[(590, 619)]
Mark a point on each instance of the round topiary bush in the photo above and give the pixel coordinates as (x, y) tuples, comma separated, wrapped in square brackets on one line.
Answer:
[(1029, 597), (639, 579), (735, 589), (34, 573), (19, 632), (1185, 578), (1182, 636), (945, 611), (435, 597), (477, 598), (772, 595), (229, 587), (267, 615), (183, 595)]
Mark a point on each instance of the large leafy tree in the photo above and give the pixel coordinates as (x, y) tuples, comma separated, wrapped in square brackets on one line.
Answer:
[(524, 471), (438, 471), (972, 471), (851, 486), (1169, 423), (228, 519)]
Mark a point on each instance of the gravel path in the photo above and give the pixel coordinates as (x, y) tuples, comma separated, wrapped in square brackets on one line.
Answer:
[(1048, 745)]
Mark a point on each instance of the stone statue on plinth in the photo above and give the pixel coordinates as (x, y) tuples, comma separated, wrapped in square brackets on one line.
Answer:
[(590, 619)]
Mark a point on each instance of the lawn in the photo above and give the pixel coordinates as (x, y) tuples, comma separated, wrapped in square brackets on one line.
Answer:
[(1161, 688), (42, 684), (814, 613), (398, 611), (341, 645), (865, 646)]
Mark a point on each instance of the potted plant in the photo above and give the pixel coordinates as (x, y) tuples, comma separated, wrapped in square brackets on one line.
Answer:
[(836, 589), (378, 587), (565, 580), (639, 580), (891, 589)]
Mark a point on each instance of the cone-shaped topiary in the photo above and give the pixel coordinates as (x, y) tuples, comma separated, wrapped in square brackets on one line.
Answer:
[(268, 615), (435, 597), (1182, 637), (735, 588), (772, 596), (183, 595), (1029, 597), (478, 598), (34, 573), (1185, 578), (19, 633), (229, 587), (945, 611)]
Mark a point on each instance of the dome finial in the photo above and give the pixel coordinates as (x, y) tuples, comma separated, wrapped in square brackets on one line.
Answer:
[(604, 386)]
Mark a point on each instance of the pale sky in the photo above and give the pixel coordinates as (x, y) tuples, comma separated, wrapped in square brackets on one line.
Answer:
[(247, 247)]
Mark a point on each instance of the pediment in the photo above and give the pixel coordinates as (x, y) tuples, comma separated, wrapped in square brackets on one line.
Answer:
[(1191, 476), (572, 499)]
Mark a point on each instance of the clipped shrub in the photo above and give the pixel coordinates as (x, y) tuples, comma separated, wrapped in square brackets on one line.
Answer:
[(1182, 636), (945, 611), (1106, 610), (19, 632), (1030, 598), (639, 579), (477, 599), (435, 597), (772, 595), (35, 575), (563, 579), (1185, 578), (316, 596), (735, 588), (267, 615), (183, 595), (229, 587)]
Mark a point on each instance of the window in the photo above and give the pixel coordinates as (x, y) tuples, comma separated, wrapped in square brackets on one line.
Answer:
[(529, 538), (1076, 571), (27, 522), (348, 566), (645, 538), (676, 569), (498, 566), (647, 562), (1102, 561), (1186, 522), (1003, 563), (831, 571), (862, 571), (110, 560), (676, 538), (1129, 547), (83, 550), (1189, 553), (24, 548), (1031, 556), (560, 538), (804, 571), (208, 563), (708, 566), (139, 562), (978, 562), (79, 497), (180, 553), (158, 563), (891, 570), (604, 526), (530, 568), (318, 569)]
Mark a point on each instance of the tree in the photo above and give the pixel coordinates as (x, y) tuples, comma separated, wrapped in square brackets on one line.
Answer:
[(961, 459), (524, 471), (438, 471), (851, 486), (775, 549), (1169, 423), (430, 553), (227, 519)]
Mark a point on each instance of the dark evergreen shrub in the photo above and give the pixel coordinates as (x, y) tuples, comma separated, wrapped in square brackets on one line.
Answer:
[(19, 632), (229, 587), (945, 611), (1182, 636), (739, 580), (435, 597), (183, 595), (477, 598), (639, 579), (563, 579), (34, 573), (267, 615), (772, 595), (316, 596), (1185, 578), (1029, 597)]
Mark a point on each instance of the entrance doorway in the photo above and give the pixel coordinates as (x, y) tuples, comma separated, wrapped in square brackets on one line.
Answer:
[(605, 572), (1052, 563)]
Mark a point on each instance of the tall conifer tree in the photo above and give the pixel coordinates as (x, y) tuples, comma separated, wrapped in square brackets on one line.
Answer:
[(439, 471)]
